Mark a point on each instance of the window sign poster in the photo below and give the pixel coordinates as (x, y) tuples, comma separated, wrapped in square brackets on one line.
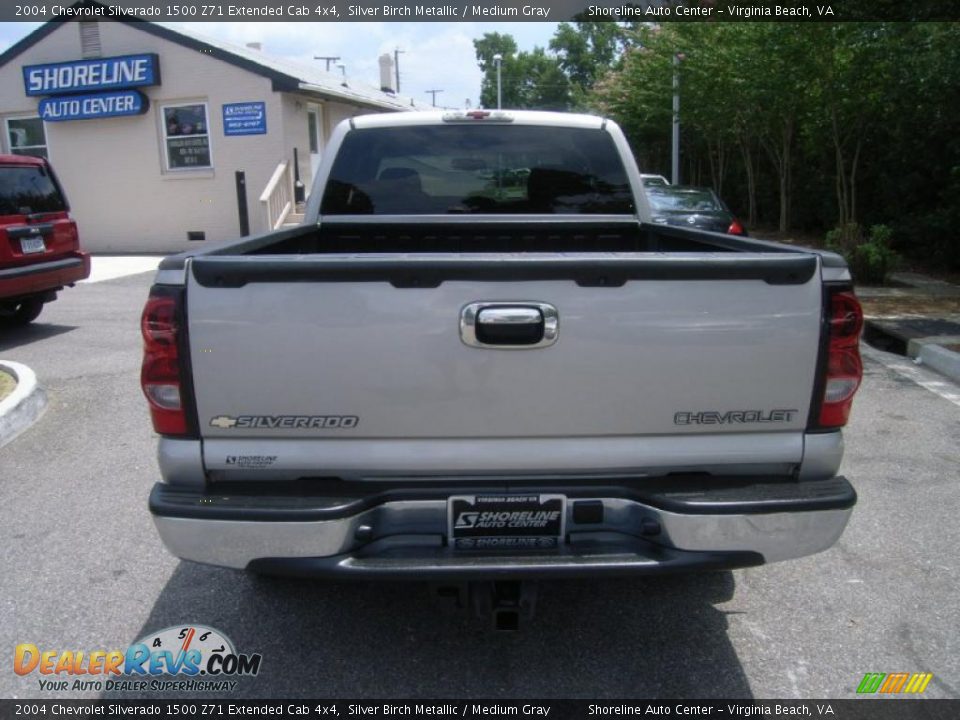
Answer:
[(188, 152), (247, 118), (187, 136)]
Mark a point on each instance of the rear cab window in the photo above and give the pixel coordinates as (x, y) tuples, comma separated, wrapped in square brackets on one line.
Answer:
[(431, 169)]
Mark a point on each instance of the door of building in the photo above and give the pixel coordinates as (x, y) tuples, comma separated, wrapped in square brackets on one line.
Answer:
[(315, 133)]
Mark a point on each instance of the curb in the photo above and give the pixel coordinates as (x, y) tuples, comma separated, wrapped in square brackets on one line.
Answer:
[(946, 362), (927, 351), (24, 405)]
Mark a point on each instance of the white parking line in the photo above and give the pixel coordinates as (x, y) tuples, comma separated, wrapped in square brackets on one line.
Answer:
[(926, 379), (108, 267)]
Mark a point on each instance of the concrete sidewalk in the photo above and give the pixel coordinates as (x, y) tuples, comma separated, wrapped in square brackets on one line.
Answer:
[(919, 319), (109, 267)]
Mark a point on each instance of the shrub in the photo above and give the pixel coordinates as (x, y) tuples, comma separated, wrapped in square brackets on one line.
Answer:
[(870, 258)]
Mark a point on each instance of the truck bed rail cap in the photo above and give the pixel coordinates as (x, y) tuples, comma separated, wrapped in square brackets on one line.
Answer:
[(423, 271)]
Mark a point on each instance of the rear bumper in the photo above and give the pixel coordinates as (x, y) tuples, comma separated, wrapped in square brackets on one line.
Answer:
[(40, 277), (646, 528)]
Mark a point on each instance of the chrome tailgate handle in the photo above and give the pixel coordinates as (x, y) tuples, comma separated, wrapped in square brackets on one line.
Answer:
[(509, 325), (509, 315)]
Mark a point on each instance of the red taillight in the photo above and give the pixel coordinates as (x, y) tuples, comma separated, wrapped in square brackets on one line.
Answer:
[(846, 319), (74, 235), (735, 228), (844, 368), (160, 374)]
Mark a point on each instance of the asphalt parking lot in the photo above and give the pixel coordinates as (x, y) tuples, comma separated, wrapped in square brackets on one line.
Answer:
[(82, 567)]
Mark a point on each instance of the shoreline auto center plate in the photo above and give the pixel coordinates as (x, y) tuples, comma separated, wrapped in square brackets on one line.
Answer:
[(506, 522)]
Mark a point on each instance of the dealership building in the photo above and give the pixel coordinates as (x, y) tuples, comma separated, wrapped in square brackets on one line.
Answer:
[(164, 140)]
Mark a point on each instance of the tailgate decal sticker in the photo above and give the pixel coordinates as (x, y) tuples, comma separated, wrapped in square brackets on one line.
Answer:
[(733, 417), (285, 422)]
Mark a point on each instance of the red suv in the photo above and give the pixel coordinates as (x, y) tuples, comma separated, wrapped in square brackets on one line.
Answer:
[(39, 243)]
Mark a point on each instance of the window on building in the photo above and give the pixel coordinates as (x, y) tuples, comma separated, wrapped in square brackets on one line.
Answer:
[(312, 127), (186, 136), (26, 136)]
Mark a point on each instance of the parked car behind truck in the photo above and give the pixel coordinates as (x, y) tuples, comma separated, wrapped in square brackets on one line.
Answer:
[(692, 207), (436, 377), (39, 243)]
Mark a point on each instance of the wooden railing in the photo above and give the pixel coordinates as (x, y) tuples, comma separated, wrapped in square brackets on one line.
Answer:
[(277, 197)]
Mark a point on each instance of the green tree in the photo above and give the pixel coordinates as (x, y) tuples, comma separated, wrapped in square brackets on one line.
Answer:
[(529, 80), (540, 82), (813, 125), (486, 48), (586, 51), (854, 68), (780, 63), (740, 86), (911, 170), (637, 95)]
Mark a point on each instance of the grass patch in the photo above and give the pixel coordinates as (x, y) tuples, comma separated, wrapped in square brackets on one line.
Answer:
[(916, 304), (7, 384)]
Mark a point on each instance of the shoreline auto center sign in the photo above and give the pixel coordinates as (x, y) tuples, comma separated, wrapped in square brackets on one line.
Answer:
[(96, 105), (248, 118), (75, 85)]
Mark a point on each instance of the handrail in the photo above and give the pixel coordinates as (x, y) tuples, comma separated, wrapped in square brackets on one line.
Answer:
[(277, 197)]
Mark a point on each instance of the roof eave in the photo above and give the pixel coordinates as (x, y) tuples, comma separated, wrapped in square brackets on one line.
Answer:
[(328, 94), (281, 82)]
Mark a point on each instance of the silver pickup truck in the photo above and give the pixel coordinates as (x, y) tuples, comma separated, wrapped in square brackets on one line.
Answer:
[(477, 360)]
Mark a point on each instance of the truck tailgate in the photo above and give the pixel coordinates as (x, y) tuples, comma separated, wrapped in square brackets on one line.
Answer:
[(343, 363)]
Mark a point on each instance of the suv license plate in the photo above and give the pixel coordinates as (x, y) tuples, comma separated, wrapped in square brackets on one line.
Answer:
[(506, 522), (32, 245)]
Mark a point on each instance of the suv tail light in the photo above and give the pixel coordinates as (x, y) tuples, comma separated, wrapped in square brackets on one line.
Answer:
[(161, 375), (74, 235), (844, 370)]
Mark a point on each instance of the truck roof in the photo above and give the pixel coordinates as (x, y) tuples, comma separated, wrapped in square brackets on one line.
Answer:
[(515, 117)]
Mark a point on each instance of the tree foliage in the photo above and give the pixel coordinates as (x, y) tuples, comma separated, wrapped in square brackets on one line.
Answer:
[(529, 80), (556, 78), (807, 126)]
